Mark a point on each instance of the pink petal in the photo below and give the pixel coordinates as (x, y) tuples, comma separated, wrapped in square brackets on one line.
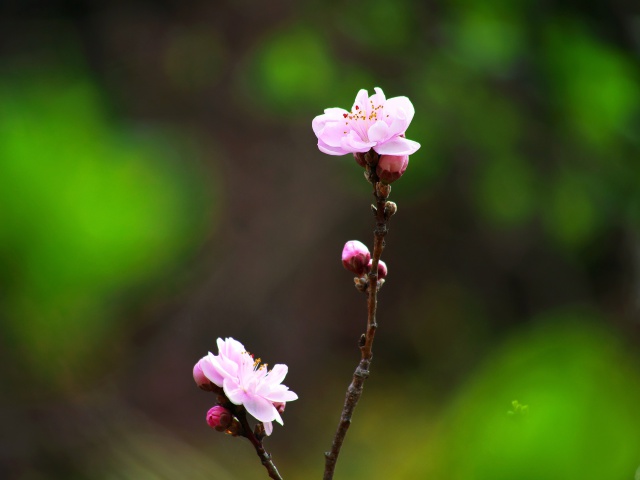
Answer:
[(330, 115), (335, 113), (260, 408), (397, 146), (361, 100), (378, 132), (234, 392), (210, 371), (378, 98), (277, 373), (353, 143), (278, 417), (281, 396), (231, 349), (224, 366), (400, 107), (324, 148), (333, 133), (268, 427)]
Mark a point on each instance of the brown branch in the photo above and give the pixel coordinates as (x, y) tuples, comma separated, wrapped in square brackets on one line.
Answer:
[(381, 193), (256, 441)]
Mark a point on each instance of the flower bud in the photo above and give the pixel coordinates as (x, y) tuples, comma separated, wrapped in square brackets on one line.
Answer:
[(219, 418), (280, 406), (390, 209), (201, 380), (355, 257), (382, 268), (391, 167)]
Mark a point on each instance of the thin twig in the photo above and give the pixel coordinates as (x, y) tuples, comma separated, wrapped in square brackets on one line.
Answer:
[(248, 433), (361, 373)]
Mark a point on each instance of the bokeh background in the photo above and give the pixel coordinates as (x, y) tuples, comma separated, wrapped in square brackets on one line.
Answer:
[(160, 187)]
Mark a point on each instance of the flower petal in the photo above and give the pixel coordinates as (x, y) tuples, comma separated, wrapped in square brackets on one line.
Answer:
[(324, 148), (231, 349), (234, 392), (277, 373), (330, 115), (397, 146), (281, 396), (260, 408), (278, 417), (361, 101), (378, 132), (353, 143), (400, 107), (268, 427), (333, 133), (210, 369), (378, 98)]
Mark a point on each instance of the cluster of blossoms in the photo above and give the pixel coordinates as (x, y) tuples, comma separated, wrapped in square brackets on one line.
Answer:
[(374, 123), (243, 381)]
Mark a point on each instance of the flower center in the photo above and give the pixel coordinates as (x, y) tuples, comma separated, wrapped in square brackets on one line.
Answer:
[(360, 120)]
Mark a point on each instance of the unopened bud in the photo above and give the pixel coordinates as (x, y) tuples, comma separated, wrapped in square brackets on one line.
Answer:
[(280, 406), (391, 167), (219, 418), (355, 257), (361, 283), (201, 380), (382, 269), (390, 208)]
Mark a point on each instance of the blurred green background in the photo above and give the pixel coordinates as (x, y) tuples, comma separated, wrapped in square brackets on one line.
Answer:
[(160, 186)]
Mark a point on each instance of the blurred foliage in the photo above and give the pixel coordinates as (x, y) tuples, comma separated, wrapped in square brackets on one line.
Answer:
[(594, 86), (283, 66), (90, 210), (582, 392)]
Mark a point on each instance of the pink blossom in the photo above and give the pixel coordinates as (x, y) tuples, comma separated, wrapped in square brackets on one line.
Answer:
[(373, 123), (247, 382), (355, 257)]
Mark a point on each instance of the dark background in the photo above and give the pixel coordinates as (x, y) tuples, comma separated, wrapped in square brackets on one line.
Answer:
[(160, 186)]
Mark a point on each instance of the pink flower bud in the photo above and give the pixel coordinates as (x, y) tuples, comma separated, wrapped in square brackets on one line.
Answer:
[(355, 257), (198, 375), (391, 167), (280, 406), (219, 418), (382, 268)]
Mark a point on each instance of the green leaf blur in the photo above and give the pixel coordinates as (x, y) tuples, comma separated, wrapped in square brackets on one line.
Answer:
[(88, 210), (582, 392)]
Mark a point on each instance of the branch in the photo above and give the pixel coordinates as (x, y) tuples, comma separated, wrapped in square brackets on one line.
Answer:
[(256, 441), (381, 193)]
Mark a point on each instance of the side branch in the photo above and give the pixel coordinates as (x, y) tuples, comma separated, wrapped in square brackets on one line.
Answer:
[(381, 193)]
